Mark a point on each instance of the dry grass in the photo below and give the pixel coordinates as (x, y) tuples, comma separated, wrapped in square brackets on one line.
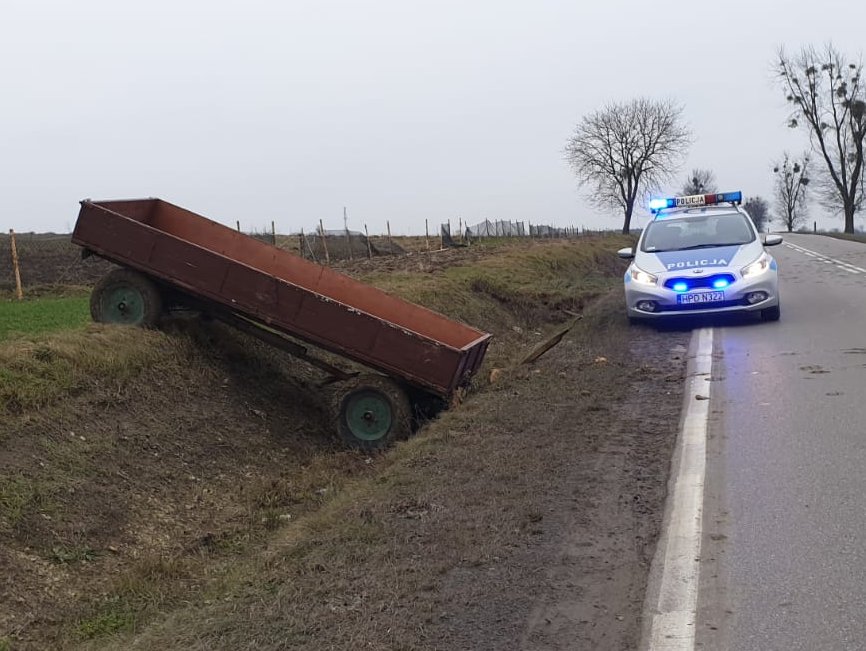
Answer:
[(229, 501), (37, 370), (395, 555)]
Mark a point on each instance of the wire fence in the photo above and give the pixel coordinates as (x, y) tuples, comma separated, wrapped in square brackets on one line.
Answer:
[(327, 245), (503, 228), (46, 259)]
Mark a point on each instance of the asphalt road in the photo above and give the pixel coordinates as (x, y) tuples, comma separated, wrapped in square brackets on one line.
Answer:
[(783, 562)]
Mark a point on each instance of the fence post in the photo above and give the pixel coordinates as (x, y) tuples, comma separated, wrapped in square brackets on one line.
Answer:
[(18, 291), (324, 242), (238, 222), (301, 245), (460, 228), (348, 235), (369, 248), (273, 233), (427, 234), (390, 241)]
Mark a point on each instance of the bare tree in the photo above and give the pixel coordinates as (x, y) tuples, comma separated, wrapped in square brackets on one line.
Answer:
[(790, 190), (626, 150), (827, 95), (758, 210), (700, 182)]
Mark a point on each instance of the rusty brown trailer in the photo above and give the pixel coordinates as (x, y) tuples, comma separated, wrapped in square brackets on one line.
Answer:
[(225, 269)]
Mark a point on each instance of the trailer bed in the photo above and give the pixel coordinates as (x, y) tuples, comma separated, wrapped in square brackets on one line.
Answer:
[(231, 271)]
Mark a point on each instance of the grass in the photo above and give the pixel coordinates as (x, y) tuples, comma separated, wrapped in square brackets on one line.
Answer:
[(532, 281), (50, 314), (19, 495), (114, 619), (38, 369), (319, 562), (308, 510)]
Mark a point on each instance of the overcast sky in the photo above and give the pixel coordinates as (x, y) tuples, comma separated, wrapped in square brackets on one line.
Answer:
[(399, 110)]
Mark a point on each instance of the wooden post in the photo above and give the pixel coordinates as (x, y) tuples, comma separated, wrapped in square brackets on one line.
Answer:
[(369, 247), (18, 291), (427, 233), (273, 233), (239, 225), (324, 242), (301, 245), (441, 239), (390, 241), (309, 247), (348, 235), (460, 228)]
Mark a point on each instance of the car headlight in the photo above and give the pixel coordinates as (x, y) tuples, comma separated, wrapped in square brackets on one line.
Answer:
[(642, 277), (758, 267)]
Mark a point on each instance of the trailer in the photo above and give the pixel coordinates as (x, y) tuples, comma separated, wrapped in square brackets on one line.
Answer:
[(171, 257)]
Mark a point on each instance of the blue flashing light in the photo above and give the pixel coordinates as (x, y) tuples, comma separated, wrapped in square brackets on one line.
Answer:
[(660, 204), (680, 287), (720, 283), (729, 197)]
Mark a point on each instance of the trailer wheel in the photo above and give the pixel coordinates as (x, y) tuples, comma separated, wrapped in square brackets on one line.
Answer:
[(373, 413), (126, 297)]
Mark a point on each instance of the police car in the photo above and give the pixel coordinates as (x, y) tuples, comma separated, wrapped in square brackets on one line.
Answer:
[(701, 254)]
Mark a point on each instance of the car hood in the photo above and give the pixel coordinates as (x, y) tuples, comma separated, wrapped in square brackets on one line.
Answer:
[(719, 257)]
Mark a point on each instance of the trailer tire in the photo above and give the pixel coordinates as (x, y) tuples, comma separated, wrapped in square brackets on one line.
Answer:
[(126, 297), (373, 412)]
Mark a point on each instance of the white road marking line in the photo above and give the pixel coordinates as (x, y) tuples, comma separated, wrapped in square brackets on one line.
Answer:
[(674, 612), (828, 260)]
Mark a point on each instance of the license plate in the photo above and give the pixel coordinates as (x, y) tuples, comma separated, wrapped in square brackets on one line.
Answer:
[(703, 297)]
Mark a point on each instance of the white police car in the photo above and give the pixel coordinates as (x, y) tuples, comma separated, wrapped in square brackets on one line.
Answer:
[(701, 254)]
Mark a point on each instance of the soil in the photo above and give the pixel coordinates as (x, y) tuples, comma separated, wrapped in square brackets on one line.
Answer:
[(47, 259), (527, 518)]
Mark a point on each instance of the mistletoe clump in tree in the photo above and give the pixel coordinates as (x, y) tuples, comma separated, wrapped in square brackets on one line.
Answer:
[(790, 190), (828, 99), (700, 181)]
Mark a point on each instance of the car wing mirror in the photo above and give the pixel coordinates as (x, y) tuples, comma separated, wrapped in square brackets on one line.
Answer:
[(626, 254), (772, 240)]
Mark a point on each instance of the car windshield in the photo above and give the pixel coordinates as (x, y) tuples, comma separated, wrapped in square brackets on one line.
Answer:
[(697, 232)]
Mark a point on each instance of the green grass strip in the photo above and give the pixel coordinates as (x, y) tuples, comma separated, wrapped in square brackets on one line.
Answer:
[(40, 315)]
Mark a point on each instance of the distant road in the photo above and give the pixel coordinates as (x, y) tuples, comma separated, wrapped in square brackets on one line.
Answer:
[(784, 526)]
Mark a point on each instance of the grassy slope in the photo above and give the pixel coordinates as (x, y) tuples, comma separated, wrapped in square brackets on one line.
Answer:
[(101, 371)]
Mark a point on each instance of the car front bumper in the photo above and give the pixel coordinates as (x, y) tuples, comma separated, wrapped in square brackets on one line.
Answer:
[(735, 300)]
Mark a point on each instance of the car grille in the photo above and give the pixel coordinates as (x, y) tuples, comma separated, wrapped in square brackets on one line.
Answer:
[(704, 282)]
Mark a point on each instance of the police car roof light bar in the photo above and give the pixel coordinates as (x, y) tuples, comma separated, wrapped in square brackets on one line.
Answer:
[(695, 200)]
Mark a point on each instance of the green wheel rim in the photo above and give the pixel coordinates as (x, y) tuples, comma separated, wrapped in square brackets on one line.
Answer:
[(368, 415), (123, 305)]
